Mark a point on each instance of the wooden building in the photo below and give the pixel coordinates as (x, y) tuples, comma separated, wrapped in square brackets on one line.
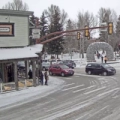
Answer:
[(14, 44)]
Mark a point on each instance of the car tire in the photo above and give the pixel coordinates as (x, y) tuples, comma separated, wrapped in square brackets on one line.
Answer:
[(89, 72), (50, 73), (62, 74), (72, 74), (104, 73)]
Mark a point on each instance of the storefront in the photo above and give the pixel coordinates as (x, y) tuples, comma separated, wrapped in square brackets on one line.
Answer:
[(9, 60), (14, 45)]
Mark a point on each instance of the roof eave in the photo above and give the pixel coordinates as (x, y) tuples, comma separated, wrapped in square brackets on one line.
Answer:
[(15, 12)]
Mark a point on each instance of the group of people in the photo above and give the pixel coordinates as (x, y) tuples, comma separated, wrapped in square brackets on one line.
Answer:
[(41, 76), (102, 56)]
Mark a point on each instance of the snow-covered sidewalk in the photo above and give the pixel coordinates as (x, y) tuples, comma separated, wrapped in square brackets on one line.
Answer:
[(30, 93)]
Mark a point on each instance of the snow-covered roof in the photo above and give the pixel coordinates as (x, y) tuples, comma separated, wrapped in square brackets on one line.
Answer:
[(19, 53), (35, 48), (15, 12)]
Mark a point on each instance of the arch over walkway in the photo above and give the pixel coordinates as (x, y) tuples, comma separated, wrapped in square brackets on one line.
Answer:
[(96, 46)]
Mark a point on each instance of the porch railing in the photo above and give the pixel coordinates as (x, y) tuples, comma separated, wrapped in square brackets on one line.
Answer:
[(22, 84)]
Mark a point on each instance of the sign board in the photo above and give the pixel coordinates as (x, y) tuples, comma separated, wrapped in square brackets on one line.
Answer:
[(102, 25), (6, 29), (36, 33)]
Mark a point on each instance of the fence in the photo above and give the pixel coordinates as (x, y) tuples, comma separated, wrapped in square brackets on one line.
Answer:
[(22, 84)]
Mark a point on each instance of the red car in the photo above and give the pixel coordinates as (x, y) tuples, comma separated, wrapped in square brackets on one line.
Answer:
[(60, 69)]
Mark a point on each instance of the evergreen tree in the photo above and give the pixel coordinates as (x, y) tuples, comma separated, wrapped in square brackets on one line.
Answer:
[(56, 46), (69, 43), (44, 28), (43, 25)]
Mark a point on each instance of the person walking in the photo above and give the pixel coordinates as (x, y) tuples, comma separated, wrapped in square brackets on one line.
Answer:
[(41, 78), (46, 77), (98, 55), (30, 74), (105, 59), (102, 58)]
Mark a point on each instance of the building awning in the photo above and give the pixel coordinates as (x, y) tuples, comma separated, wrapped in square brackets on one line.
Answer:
[(20, 53)]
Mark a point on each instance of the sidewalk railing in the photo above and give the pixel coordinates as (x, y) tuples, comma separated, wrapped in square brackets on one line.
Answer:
[(28, 82), (22, 84), (4, 87)]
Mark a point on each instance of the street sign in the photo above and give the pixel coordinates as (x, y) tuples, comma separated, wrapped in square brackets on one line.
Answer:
[(103, 29), (36, 33)]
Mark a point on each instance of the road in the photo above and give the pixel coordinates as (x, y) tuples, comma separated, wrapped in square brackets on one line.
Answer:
[(83, 97)]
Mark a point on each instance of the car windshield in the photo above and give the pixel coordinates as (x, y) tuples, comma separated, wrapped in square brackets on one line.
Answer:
[(106, 65), (64, 66), (53, 60)]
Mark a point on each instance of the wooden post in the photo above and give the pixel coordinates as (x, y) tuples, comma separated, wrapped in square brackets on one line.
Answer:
[(37, 71), (15, 75), (3, 73), (33, 72), (40, 61), (26, 69)]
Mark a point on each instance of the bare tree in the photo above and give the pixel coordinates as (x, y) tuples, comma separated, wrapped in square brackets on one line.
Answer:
[(16, 5), (51, 11), (86, 18), (70, 40), (118, 35), (107, 15)]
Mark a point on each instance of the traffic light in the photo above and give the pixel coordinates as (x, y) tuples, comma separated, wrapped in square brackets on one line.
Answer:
[(87, 33), (78, 35), (110, 28)]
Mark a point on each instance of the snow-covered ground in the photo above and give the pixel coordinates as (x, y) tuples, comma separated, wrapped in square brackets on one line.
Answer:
[(31, 92), (80, 62)]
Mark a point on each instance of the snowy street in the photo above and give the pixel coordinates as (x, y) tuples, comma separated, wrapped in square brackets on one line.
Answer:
[(58, 63), (80, 97)]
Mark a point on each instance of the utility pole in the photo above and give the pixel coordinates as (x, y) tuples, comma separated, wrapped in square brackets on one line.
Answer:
[(71, 49), (79, 47), (79, 42)]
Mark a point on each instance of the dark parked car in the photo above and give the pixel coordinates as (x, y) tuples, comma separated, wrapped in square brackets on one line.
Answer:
[(60, 69), (21, 66), (99, 69), (69, 63)]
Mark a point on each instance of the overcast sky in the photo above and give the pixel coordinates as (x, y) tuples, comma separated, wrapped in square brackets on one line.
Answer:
[(72, 7)]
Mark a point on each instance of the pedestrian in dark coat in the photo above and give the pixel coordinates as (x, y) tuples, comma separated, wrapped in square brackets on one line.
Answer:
[(102, 58), (30, 74), (46, 77), (41, 77)]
